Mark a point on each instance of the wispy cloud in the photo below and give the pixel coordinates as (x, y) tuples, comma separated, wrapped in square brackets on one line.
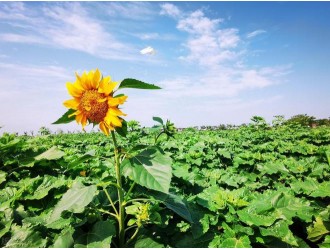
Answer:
[(220, 56), (67, 25), (170, 10), (197, 23), (155, 36), (228, 38), (31, 77), (255, 33), (31, 95), (130, 10), (16, 38)]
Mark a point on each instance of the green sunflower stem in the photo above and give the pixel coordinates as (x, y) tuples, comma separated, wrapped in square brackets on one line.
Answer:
[(121, 212), (156, 138)]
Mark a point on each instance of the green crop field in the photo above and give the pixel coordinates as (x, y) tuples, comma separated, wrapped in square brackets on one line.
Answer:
[(253, 186)]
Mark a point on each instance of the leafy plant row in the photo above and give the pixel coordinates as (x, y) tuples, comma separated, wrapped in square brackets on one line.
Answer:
[(249, 187)]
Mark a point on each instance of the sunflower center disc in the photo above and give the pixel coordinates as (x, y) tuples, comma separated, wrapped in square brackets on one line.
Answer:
[(92, 104)]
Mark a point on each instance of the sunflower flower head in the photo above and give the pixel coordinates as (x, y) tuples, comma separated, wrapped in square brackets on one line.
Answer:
[(94, 102)]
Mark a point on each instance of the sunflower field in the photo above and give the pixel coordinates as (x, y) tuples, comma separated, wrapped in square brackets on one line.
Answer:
[(127, 186)]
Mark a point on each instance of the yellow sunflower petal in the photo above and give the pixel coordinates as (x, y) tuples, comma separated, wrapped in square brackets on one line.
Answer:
[(106, 86), (84, 121), (79, 118), (96, 79), (84, 81), (71, 104), (79, 82), (104, 128), (90, 77), (112, 102), (113, 120), (73, 90), (115, 111)]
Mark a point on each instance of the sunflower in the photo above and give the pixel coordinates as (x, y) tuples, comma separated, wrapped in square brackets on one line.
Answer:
[(93, 101)]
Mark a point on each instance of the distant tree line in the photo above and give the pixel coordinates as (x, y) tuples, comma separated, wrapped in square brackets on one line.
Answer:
[(256, 121)]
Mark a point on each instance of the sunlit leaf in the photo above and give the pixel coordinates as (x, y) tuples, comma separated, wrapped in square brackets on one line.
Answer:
[(99, 236), (150, 169), (51, 154), (74, 200), (136, 84), (65, 118), (158, 119)]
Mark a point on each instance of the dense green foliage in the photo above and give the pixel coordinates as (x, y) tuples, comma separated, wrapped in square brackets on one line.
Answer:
[(256, 186), (306, 120)]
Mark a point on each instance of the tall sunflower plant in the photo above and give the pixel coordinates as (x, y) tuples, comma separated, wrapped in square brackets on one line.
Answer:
[(145, 168)]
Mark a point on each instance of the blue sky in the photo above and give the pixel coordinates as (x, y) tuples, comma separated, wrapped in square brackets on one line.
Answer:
[(217, 62)]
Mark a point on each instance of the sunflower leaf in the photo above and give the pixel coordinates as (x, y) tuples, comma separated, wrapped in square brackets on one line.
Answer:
[(158, 119), (122, 131), (150, 168), (136, 84), (65, 118)]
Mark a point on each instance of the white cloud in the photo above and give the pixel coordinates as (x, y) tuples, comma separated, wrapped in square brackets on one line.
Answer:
[(207, 44), (13, 10), (148, 51), (16, 38), (73, 28), (255, 33), (31, 77), (223, 81), (31, 95), (148, 36), (130, 10), (170, 10), (220, 57), (155, 36), (228, 38), (197, 23), (67, 25)]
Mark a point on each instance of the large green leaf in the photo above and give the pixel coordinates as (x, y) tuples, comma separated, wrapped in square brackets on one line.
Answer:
[(225, 153), (272, 168), (51, 154), (216, 199), (326, 242), (323, 190), (280, 230), (306, 187), (78, 160), (2, 176), (5, 227), (270, 206), (327, 154), (150, 169), (256, 219), (318, 229), (64, 239), (9, 145), (241, 242), (99, 236), (147, 243), (25, 237), (48, 183), (65, 118), (136, 84), (74, 200), (6, 219), (173, 202)]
